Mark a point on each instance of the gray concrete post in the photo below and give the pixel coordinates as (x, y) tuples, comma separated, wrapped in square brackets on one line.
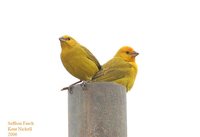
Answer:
[(98, 111)]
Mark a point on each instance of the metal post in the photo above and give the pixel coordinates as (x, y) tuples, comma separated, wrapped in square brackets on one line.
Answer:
[(97, 111)]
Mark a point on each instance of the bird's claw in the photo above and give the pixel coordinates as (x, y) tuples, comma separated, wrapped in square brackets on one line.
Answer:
[(70, 89), (84, 85)]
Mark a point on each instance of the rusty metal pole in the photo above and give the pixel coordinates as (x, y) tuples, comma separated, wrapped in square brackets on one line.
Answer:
[(98, 111)]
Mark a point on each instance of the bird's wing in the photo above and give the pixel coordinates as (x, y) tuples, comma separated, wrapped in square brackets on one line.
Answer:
[(113, 70), (91, 57)]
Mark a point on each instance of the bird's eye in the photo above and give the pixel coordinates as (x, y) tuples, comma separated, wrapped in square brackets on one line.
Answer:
[(127, 52), (68, 38)]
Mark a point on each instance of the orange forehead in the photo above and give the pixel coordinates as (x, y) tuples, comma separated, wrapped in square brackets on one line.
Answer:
[(127, 48)]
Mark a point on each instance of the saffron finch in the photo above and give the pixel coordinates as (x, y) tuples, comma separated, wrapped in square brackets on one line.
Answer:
[(121, 69), (77, 59)]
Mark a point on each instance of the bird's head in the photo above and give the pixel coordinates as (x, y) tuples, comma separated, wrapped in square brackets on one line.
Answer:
[(127, 53), (67, 41)]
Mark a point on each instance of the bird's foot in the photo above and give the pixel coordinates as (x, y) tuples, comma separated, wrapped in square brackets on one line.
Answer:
[(76, 83), (84, 85), (70, 89)]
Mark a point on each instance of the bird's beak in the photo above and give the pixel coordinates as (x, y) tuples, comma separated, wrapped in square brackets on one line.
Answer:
[(61, 39), (134, 54)]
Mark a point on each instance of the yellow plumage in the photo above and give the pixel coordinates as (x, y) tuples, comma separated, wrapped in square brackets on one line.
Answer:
[(121, 69), (78, 60)]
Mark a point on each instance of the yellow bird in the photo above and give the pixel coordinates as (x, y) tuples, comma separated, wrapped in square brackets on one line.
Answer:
[(121, 69), (78, 60)]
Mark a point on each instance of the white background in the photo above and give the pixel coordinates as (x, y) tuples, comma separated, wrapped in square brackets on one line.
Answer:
[(165, 100)]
